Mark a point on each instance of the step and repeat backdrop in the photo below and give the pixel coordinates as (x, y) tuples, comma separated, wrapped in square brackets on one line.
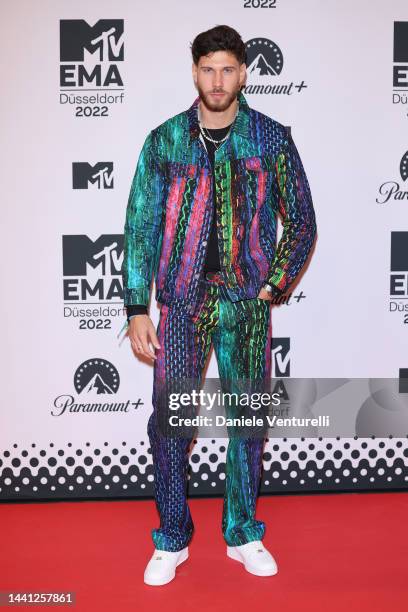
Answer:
[(83, 84)]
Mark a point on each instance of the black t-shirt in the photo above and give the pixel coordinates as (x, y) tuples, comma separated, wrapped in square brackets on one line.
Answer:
[(212, 260)]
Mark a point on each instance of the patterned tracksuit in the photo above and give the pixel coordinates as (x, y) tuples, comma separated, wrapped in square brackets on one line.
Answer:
[(258, 175), (241, 334)]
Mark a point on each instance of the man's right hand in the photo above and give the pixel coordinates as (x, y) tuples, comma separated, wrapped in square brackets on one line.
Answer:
[(142, 331)]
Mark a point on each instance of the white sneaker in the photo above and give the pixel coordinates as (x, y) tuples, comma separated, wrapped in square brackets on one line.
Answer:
[(255, 557), (161, 568)]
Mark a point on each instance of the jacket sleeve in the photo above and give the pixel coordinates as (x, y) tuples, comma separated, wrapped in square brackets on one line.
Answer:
[(143, 226), (299, 222)]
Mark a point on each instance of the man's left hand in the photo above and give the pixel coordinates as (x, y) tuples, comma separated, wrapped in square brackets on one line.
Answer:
[(264, 295)]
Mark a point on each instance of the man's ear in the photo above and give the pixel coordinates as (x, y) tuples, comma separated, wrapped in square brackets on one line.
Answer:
[(242, 73), (194, 73)]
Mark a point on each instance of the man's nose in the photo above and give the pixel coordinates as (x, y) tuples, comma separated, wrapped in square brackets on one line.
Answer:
[(218, 82)]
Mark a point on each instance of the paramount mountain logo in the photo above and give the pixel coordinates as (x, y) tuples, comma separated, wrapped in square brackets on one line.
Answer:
[(97, 385), (391, 190), (260, 67), (94, 378), (264, 60), (404, 166)]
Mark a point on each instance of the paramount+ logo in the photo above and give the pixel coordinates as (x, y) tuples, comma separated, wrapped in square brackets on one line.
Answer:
[(96, 383), (392, 190), (264, 60)]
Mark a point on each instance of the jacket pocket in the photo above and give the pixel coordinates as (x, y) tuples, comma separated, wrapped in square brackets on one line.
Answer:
[(179, 170)]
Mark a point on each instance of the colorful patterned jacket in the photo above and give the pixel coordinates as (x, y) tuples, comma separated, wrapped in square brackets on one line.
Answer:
[(258, 173)]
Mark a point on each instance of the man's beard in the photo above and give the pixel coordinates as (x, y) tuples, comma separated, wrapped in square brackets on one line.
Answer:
[(219, 106)]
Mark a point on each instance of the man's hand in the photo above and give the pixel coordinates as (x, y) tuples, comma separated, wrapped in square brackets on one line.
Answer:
[(265, 295), (141, 331)]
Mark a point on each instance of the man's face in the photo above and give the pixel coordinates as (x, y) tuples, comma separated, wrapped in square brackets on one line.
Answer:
[(218, 78)]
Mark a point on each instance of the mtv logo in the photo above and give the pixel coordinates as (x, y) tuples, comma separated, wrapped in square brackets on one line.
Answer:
[(403, 380), (401, 42), (280, 357), (81, 255), (399, 251), (101, 175), (79, 40)]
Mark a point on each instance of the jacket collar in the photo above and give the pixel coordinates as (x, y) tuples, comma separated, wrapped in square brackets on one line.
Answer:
[(240, 125)]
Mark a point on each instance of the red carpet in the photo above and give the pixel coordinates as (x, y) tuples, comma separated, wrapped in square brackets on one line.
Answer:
[(334, 552)]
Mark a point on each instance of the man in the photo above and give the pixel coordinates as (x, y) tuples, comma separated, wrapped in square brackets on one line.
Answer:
[(201, 220)]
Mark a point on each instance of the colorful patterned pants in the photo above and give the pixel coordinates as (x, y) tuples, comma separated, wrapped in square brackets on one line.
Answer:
[(241, 335)]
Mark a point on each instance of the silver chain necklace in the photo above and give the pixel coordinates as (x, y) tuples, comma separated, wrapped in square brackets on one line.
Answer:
[(208, 135)]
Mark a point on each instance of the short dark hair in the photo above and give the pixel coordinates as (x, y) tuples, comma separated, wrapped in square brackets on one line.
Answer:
[(220, 38)]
